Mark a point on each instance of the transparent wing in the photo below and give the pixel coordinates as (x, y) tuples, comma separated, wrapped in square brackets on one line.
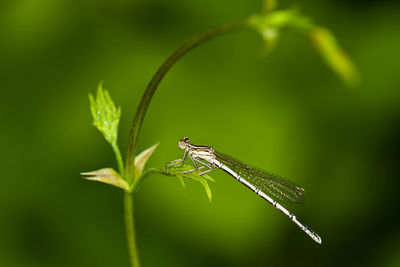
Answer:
[(269, 183)]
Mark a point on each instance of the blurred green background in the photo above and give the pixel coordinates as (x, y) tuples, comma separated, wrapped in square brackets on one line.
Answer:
[(287, 113)]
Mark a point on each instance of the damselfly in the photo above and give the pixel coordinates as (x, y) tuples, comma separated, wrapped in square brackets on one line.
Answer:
[(263, 183)]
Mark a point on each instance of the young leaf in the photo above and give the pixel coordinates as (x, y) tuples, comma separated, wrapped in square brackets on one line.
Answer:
[(270, 37), (335, 57), (270, 24), (105, 115), (108, 176), (280, 19), (106, 119), (141, 160), (184, 177)]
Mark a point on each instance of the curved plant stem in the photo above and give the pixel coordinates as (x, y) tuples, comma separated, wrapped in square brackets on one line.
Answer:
[(138, 120), (155, 81), (130, 229)]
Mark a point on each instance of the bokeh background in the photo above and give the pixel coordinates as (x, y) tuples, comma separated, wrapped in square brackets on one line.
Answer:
[(287, 113)]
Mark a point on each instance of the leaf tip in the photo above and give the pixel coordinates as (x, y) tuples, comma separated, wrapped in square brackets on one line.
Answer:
[(141, 160), (326, 44)]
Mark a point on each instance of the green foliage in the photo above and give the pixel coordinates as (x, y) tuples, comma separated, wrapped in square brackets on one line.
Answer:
[(108, 176), (140, 161), (106, 119), (270, 37), (105, 115), (334, 56), (270, 24), (184, 177), (280, 19)]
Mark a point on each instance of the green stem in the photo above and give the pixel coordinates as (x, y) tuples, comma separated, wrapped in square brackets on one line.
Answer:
[(130, 230), (119, 159), (155, 81)]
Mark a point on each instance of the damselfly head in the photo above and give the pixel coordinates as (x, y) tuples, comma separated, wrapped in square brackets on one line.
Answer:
[(184, 143)]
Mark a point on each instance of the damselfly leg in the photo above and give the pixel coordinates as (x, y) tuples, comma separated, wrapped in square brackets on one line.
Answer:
[(196, 167), (210, 167), (178, 161), (193, 170)]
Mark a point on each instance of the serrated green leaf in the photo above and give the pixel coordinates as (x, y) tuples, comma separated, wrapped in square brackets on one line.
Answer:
[(105, 114), (325, 43), (141, 160), (108, 176), (184, 177)]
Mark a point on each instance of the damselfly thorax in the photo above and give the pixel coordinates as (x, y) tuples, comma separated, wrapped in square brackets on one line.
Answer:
[(201, 152)]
